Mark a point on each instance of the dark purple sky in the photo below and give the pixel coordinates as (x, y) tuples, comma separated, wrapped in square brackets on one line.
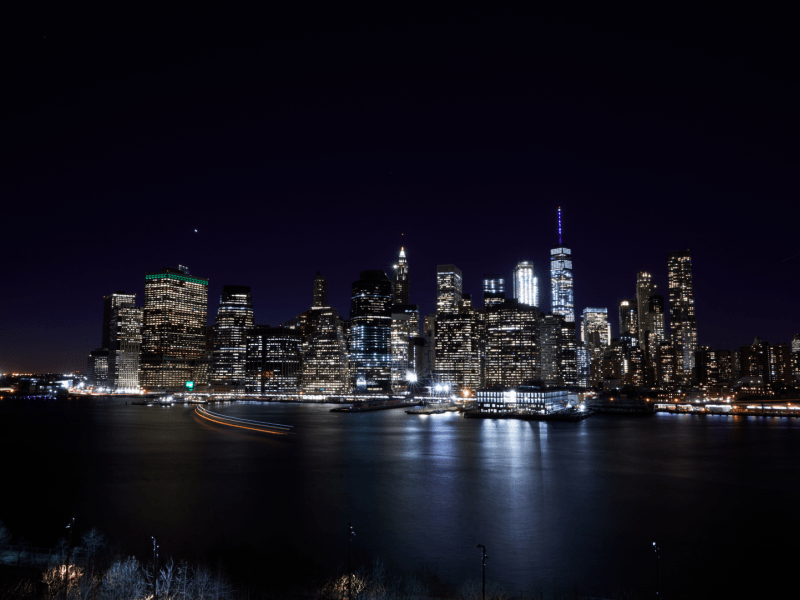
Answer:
[(296, 142)]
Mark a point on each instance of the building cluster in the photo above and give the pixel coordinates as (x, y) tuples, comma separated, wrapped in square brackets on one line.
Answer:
[(508, 343)]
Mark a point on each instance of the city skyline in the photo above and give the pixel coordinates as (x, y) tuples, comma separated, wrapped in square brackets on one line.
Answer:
[(259, 159)]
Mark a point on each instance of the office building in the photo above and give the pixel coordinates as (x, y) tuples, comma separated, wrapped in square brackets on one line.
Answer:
[(97, 370), (681, 311), (667, 375), (458, 356), (173, 334), (562, 300), (429, 348), (320, 296), (583, 365), (512, 356), (111, 303), (644, 289), (324, 366), (448, 289), (402, 292), (526, 285), (234, 319), (274, 360), (370, 331), (595, 328), (494, 290), (629, 323), (405, 328), (124, 345)]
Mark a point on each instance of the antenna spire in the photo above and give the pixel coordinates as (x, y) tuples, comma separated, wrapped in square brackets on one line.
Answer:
[(559, 225)]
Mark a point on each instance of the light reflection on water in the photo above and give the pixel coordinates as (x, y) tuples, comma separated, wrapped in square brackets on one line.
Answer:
[(578, 503)]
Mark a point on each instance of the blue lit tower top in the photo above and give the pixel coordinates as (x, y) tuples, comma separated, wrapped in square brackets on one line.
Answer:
[(562, 301)]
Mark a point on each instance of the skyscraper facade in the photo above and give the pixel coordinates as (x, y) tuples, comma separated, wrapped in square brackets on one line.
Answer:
[(458, 357), (320, 297), (562, 299), (448, 288), (629, 322), (324, 366), (370, 330), (110, 303), (526, 285), (274, 359), (124, 347), (405, 327), (512, 345), (681, 310), (234, 319), (644, 289), (173, 334), (402, 293), (595, 329), (494, 289)]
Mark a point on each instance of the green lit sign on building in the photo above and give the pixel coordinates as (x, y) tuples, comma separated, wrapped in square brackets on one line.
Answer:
[(189, 385)]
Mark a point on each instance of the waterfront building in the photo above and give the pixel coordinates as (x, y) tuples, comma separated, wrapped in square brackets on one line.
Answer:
[(324, 350), (713, 367), (97, 370), (234, 319), (174, 330), (458, 356), (667, 373), (523, 399), (494, 290), (124, 346), (405, 328), (526, 285), (595, 328), (429, 349), (274, 360), (559, 354), (370, 331), (402, 293), (583, 365), (448, 288), (681, 310), (629, 323), (562, 300), (320, 297), (512, 345), (796, 358), (111, 303)]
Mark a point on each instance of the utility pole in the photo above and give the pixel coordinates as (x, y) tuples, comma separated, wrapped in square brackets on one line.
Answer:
[(483, 571), (70, 527), (350, 535), (155, 566), (658, 572)]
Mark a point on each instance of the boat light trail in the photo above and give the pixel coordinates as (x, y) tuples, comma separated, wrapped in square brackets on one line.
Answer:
[(227, 421)]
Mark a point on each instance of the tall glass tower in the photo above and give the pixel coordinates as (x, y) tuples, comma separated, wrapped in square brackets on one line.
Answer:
[(448, 288), (681, 310), (562, 301), (494, 289), (370, 330), (234, 318), (526, 285)]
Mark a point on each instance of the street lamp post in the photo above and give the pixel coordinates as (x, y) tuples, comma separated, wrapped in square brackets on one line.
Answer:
[(483, 571), (155, 566), (658, 572), (70, 526), (350, 535)]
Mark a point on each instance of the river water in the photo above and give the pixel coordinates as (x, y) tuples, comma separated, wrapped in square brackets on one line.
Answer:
[(556, 504)]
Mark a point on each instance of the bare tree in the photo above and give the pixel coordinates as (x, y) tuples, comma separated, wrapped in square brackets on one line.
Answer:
[(123, 581)]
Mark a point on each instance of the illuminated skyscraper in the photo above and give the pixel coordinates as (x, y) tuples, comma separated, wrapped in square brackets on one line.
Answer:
[(97, 369), (405, 328), (458, 357), (681, 310), (448, 288), (512, 345), (401, 280), (526, 285), (494, 290), (234, 318), (320, 291), (562, 298), (110, 303), (629, 323), (370, 330), (595, 329), (274, 357), (644, 289), (124, 347), (324, 363), (173, 335)]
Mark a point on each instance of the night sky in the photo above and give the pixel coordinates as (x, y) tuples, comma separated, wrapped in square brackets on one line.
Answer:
[(326, 140)]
